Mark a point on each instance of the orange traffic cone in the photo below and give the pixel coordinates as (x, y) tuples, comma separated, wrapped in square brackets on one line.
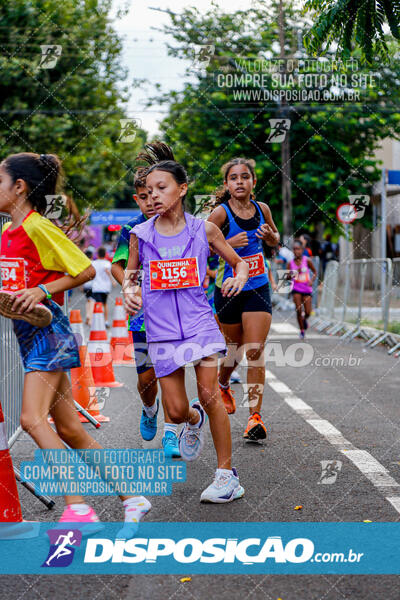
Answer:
[(121, 346), (99, 351), (83, 388), (10, 507)]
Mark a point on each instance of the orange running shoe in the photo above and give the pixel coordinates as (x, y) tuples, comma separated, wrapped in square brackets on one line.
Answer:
[(228, 399), (255, 429)]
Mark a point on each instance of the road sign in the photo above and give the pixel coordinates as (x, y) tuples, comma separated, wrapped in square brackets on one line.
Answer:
[(346, 213)]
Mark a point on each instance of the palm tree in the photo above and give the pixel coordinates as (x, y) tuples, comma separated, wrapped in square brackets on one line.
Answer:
[(349, 21)]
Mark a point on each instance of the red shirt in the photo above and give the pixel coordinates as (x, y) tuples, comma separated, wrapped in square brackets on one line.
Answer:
[(46, 251)]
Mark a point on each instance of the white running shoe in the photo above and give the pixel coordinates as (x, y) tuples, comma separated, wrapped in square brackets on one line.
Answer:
[(191, 439), (235, 377), (224, 488)]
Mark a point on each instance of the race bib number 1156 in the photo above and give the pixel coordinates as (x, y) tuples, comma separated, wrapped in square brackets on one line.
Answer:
[(175, 274)]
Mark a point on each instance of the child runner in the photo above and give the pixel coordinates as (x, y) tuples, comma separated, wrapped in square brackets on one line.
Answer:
[(41, 255), (173, 248), (103, 281), (300, 268), (245, 320), (147, 381)]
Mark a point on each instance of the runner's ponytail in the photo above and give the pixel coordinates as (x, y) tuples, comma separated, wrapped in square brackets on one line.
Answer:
[(156, 152)]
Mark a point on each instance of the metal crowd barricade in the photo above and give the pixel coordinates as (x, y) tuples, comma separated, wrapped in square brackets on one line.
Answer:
[(326, 308), (316, 260), (375, 299), (11, 372), (394, 313), (359, 274), (361, 297), (355, 291)]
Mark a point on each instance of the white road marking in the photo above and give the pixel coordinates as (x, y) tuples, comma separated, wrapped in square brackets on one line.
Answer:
[(395, 501), (296, 403), (284, 328), (272, 337), (371, 468), (365, 462), (324, 427), (280, 387)]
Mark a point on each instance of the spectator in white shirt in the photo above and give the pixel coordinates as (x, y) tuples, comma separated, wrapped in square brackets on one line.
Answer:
[(103, 281), (87, 290)]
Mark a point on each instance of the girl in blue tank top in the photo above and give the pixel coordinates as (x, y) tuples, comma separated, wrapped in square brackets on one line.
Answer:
[(252, 252), (245, 319)]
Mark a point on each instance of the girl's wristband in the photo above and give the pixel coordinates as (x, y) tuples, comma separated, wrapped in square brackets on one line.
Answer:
[(46, 291)]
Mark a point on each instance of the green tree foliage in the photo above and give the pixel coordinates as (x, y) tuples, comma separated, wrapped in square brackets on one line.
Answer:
[(73, 109), (350, 23), (331, 141)]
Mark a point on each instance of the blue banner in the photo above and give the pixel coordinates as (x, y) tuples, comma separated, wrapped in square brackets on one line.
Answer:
[(202, 548), (113, 217), (393, 177)]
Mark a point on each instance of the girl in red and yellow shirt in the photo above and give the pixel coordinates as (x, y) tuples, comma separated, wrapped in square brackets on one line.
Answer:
[(38, 264)]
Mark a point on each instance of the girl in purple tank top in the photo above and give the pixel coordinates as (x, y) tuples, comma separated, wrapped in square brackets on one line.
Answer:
[(173, 248), (300, 268)]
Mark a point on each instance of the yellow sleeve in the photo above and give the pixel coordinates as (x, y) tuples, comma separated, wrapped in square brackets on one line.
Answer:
[(56, 251), (5, 226)]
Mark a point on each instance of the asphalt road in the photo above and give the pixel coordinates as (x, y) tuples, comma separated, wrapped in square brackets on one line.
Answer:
[(341, 406)]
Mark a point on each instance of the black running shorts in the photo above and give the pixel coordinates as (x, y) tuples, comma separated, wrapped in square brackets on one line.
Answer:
[(230, 310)]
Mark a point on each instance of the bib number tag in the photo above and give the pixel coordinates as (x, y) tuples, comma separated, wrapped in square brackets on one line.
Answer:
[(12, 274), (302, 275), (176, 274), (256, 264)]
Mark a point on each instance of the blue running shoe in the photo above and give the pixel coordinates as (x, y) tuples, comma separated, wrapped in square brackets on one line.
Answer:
[(224, 488), (191, 439), (170, 445), (148, 425)]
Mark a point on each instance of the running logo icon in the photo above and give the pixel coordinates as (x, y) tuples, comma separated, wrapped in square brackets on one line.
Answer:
[(330, 471), (63, 348), (251, 394), (284, 283), (99, 395), (360, 203), (62, 547), (203, 201), (50, 56), (129, 129), (202, 56), (54, 206), (279, 129)]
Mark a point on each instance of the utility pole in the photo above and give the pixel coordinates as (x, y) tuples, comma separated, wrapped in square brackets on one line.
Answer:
[(287, 209)]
